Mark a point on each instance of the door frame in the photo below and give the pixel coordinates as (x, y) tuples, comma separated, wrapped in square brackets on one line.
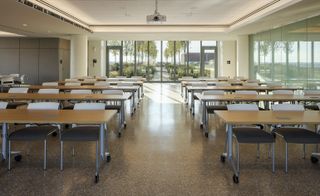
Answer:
[(202, 65)]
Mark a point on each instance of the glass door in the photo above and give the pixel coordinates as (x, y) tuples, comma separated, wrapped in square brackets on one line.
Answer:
[(114, 61), (208, 61)]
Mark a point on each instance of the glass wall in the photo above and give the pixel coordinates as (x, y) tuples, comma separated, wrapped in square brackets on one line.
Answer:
[(161, 60), (289, 54)]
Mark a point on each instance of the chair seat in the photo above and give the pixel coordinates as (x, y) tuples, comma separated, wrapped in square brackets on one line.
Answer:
[(32, 133), (68, 106), (212, 108), (81, 133), (311, 107), (252, 135), (113, 107), (298, 135), (14, 105)]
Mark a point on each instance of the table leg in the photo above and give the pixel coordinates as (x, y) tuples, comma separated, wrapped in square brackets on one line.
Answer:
[(192, 102), (102, 140), (4, 141), (186, 95)]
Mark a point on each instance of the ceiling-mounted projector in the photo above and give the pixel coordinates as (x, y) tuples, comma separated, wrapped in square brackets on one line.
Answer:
[(156, 17)]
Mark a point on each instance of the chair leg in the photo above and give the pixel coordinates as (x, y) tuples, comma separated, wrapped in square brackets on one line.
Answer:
[(304, 151), (73, 151), (238, 157), (97, 161), (61, 155), (9, 155), (258, 151), (286, 161), (273, 157), (45, 155)]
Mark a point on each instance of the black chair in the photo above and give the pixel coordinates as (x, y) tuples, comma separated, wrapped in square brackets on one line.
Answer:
[(83, 133), (31, 133), (250, 135), (294, 135)]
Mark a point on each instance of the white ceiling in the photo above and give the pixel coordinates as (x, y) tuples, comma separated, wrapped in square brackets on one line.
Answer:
[(125, 19), (182, 12)]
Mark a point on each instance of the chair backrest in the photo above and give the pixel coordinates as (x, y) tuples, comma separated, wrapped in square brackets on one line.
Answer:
[(274, 84), (43, 106), (101, 77), (250, 84), (89, 106), (102, 83), (48, 91), (288, 107), (18, 90), (199, 84), (3, 105), (137, 77), (311, 92), (72, 84), (234, 81), (50, 84), (112, 92), (203, 77), (243, 107), (14, 75), (90, 80), (238, 77), (282, 92), (85, 91), (215, 92), (125, 84), (223, 84), (223, 78), (186, 77), (71, 80), (246, 93), (253, 81)]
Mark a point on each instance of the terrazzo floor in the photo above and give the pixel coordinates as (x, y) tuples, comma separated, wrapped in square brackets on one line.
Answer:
[(162, 151)]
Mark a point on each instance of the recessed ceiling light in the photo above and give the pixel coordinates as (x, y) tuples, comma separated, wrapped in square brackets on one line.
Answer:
[(25, 25)]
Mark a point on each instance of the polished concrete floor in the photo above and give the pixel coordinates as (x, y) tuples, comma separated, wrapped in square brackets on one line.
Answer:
[(162, 152)]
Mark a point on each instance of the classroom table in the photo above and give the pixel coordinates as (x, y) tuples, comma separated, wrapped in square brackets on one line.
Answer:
[(265, 89), (232, 118), (266, 98), (184, 84), (24, 116), (111, 82), (67, 97), (131, 89)]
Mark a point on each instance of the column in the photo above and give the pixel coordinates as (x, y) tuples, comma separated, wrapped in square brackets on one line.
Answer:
[(79, 56), (243, 56)]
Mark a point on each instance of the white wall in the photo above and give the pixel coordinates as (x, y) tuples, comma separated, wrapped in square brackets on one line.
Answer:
[(97, 50), (227, 52), (243, 56)]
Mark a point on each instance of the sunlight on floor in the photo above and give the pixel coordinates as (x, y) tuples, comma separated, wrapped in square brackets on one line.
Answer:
[(163, 93)]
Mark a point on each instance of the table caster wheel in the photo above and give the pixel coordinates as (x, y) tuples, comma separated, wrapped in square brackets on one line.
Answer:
[(314, 159), (201, 126), (96, 178), (18, 158), (206, 134), (54, 134), (222, 158), (235, 179), (119, 134), (125, 125), (108, 158)]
